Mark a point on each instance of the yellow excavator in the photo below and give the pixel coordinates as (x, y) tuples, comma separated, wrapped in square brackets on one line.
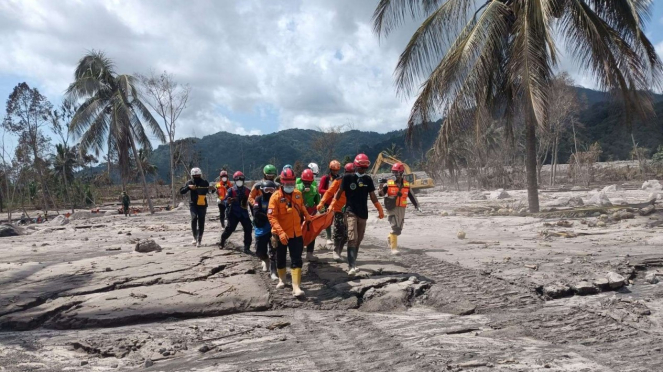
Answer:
[(415, 183)]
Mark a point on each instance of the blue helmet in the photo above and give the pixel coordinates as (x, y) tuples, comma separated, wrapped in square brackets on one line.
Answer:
[(287, 166)]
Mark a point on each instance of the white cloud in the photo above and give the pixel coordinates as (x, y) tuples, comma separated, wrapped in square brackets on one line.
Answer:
[(315, 62)]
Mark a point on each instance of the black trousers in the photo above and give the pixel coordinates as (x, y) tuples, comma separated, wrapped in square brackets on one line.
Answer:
[(125, 209), (222, 214), (197, 221), (233, 221), (296, 247), (264, 247)]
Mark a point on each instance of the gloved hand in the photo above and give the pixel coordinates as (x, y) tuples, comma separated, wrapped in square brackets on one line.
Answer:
[(283, 237), (321, 207), (378, 206), (418, 209)]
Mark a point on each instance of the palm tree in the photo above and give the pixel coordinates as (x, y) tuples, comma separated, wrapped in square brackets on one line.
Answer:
[(494, 59), (144, 160), (64, 161), (111, 113), (394, 151)]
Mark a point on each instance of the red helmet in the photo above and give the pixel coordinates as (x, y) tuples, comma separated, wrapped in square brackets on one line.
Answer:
[(223, 174), (398, 167), (349, 168), (307, 176), (288, 176), (361, 161), (335, 165), (238, 175)]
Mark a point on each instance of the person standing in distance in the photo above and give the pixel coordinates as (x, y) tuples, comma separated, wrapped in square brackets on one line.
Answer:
[(198, 189), (396, 193), (357, 187), (221, 190)]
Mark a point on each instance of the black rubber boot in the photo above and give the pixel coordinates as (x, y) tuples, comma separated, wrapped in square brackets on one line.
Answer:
[(247, 249), (352, 257)]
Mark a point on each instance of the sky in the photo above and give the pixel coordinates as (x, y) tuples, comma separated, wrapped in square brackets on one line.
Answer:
[(254, 66)]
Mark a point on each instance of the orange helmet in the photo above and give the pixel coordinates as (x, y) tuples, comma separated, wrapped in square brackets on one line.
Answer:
[(361, 161), (349, 168), (398, 167), (307, 176), (288, 176), (335, 165)]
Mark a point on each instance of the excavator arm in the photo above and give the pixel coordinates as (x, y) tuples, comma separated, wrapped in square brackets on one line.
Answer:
[(386, 159)]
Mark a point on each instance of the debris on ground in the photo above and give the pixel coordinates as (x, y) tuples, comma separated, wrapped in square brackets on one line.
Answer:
[(146, 246), (499, 194)]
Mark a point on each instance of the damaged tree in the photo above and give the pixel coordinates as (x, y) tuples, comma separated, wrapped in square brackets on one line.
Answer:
[(499, 58), (110, 114)]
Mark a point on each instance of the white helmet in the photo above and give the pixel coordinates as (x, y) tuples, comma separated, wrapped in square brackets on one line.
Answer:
[(314, 167), (196, 172)]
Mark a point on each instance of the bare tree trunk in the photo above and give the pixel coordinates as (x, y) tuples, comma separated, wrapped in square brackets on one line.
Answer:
[(172, 173), (530, 166), (637, 155), (553, 163), (146, 195), (553, 168), (66, 191)]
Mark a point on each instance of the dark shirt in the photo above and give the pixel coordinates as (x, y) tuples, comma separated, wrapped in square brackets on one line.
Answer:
[(239, 207), (356, 191), (202, 188)]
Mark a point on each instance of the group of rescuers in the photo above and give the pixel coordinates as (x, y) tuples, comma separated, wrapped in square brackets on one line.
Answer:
[(280, 204)]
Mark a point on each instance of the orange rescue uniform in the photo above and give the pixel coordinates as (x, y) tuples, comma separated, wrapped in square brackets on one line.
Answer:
[(222, 189), (285, 213), (328, 197)]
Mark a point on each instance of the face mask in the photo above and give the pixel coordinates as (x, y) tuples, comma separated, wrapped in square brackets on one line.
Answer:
[(239, 183), (288, 189), (360, 175), (224, 179)]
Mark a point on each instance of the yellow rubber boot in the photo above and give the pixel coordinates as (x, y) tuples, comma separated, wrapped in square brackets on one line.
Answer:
[(296, 282), (393, 242), (282, 273)]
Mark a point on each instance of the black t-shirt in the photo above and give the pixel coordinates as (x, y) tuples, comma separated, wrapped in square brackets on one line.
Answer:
[(356, 192)]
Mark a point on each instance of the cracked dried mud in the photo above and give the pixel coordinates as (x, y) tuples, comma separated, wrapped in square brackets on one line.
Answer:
[(557, 291)]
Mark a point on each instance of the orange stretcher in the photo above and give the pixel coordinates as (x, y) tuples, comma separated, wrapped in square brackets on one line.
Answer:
[(313, 228)]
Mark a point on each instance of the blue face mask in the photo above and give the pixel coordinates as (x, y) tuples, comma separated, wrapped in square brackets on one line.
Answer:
[(288, 189)]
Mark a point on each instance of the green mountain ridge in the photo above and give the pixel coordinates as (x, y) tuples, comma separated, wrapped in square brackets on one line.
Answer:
[(601, 121)]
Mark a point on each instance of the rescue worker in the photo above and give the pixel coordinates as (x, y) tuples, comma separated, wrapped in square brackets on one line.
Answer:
[(221, 190), (237, 200), (286, 213), (309, 191), (396, 193), (198, 188), (278, 178), (325, 183), (126, 201), (265, 251), (269, 174), (357, 188), (340, 225)]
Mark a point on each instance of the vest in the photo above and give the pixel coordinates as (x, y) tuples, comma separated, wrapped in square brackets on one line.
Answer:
[(392, 191)]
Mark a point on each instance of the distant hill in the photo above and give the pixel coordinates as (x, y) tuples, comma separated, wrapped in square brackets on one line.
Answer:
[(251, 153), (602, 121)]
